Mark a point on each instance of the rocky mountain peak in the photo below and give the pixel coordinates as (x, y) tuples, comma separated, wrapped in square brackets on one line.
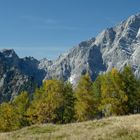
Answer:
[(117, 47), (87, 43), (9, 53), (130, 27)]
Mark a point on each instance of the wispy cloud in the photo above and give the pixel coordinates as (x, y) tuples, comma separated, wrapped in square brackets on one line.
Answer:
[(37, 22), (39, 19), (57, 27), (47, 23)]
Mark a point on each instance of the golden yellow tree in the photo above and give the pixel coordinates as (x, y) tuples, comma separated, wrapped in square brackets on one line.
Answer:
[(113, 97), (85, 103)]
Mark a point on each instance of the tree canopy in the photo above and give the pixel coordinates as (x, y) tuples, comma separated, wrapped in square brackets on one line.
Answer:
[(111, 94)]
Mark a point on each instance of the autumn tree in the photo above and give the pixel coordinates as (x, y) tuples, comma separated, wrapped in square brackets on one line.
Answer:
[(21, 104), (9, 119), (53, 102), (85, 103), (113, 97)]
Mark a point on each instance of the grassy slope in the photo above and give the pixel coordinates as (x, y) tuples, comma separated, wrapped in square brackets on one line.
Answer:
[(114, 128)]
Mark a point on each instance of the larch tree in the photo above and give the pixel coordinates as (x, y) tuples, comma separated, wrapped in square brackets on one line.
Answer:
[(113, 98), (84, 103)]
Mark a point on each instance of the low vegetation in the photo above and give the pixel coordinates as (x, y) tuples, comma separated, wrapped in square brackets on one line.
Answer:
[(111, 94), (112, 128)]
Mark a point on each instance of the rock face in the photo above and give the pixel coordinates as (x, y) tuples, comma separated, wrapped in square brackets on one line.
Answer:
[(17, 74), (114, 47)]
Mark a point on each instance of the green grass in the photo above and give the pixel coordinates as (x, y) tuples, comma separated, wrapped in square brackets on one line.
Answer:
[(113, 128)]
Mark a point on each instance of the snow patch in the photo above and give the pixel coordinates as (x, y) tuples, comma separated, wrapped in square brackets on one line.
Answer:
[(2, 80), (72, 79), (138, 34)]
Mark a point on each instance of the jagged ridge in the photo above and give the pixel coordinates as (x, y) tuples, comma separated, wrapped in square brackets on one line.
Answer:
[(114, 47)]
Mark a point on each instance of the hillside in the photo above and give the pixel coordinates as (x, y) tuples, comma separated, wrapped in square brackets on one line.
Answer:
[(113, 128)]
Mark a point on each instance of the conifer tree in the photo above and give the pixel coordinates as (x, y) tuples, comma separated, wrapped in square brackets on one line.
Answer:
[(53, 102), (9, 119), (97, 95), (21, 104), (131, 87), (114, 98), (65, 113), (84, 104)]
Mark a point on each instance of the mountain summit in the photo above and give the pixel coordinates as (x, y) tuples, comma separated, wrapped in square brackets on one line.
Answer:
[(114, 47)]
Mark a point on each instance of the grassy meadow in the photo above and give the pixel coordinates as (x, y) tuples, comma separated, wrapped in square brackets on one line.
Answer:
[(113, 128)]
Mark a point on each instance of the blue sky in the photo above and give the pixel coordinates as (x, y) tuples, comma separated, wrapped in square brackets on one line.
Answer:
[(46, 28)]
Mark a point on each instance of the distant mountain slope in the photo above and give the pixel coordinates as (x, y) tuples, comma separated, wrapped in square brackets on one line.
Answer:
[(17, 74), (114, 47), (114, 128)]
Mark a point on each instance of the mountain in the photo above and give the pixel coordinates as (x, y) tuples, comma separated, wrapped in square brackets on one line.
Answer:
[(114, 47), (17, 74)]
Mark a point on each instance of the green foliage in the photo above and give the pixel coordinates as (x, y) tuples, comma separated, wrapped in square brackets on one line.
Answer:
[(97, 95), (132, 89), (65, 113), (84, 104)]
